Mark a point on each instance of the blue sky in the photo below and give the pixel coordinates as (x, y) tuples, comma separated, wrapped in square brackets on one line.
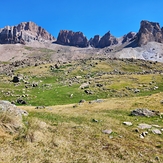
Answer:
[(88, 16)]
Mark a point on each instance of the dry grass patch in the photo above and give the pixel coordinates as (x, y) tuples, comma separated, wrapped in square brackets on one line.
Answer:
[(65, 133)]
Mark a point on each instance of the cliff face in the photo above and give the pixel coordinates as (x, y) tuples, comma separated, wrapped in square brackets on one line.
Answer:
[(104, 41), (71, 38), (94, 42), (149, 31), (107, 40), (29, 31), (24, 32), (129, 37)]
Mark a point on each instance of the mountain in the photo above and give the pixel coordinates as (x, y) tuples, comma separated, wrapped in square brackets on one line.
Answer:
[(146, 44), (71, 38), (24, 32), (149, 31), (29, 32), (106, 40)]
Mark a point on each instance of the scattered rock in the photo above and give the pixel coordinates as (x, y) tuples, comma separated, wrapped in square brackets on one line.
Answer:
[(95, 120), (17, 79), (84, 85), (99, 85), (144, 112), (136, 90), (157, 126), (127, 123), (107, 131), (96, 101), (57, 66), (40, 107), (157, 158), (136, 130), (71, 95), (144, 126), (78, 77), (20, 101), (34, 84), (156, 131), (42, 125), (82, 101), (89, 92), (143, 134)]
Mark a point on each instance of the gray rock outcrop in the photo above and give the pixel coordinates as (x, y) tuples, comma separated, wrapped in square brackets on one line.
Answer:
[(7, 107), (129, 37), (144, 112), (94, 42), (24, 32), (149, 31), (13, 116), (104, 41), (107, 40), (71, 38)]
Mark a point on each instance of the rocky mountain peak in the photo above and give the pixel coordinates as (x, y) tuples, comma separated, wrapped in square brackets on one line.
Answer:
[(107, 40), (71, 38), (94, 42), (149, 31), (24, 32), (104, 41)]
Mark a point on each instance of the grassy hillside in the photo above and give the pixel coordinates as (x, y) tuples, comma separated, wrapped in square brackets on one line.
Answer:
[(62, 85), (72, 132)]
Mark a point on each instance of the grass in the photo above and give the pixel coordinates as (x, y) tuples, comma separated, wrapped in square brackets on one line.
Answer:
[(58, 84), (66, 134), (69, 132)]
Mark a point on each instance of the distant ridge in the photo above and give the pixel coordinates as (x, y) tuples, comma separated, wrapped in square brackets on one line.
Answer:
[(28, 32)]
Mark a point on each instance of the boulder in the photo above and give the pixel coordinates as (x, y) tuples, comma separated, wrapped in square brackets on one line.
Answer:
[(156, 131), (127, 123), (144, 126), (40, 107), (96, 101), (7, 107), (82, 101), (84, 85), (16, 79), (143, 134), (71, 38), (13, 116), (20, 101), (107, 131), (144, 112)]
